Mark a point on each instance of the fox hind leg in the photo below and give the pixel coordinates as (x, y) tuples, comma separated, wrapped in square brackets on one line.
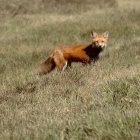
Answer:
[(65, 66), (61, 66), (61, 63)]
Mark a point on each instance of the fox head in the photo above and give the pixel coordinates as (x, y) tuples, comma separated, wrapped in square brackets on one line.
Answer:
[(99, 40)]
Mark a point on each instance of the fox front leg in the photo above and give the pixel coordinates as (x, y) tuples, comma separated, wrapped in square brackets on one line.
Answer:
[(86, 60)]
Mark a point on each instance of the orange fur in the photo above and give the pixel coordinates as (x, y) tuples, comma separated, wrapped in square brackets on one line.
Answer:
[(64, 56)]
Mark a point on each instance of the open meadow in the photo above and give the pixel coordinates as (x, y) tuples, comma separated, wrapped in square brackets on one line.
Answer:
[(100, 101)]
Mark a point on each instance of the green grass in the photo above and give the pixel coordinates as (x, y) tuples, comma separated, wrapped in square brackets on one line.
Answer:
[(100, 101)]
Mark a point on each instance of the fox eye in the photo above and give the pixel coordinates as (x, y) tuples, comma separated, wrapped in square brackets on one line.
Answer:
[(102, 41)]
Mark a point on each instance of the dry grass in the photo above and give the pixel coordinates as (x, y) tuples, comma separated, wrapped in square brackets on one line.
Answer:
[(100, 101)]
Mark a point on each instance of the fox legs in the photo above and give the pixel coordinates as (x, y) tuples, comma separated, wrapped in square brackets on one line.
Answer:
[(61, 66), (65, 66), (61, 63)]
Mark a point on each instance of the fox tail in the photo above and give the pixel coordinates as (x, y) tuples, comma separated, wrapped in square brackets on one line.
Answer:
[(46, 66)]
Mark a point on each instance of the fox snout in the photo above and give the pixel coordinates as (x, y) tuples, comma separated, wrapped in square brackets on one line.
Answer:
[(101, 45)]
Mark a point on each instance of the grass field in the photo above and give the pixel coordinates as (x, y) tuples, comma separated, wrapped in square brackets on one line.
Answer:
[(96, 102)]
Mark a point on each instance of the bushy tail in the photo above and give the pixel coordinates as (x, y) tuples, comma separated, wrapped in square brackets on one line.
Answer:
[(46, 66)]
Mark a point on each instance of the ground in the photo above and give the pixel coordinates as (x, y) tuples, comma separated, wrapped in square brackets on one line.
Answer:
[(100, 101)]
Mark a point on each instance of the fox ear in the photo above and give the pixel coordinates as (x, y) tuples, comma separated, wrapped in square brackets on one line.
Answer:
[(94, 34), (105, 34)]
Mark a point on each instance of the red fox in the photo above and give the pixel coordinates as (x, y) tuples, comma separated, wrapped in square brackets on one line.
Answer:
[(64, 56)]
